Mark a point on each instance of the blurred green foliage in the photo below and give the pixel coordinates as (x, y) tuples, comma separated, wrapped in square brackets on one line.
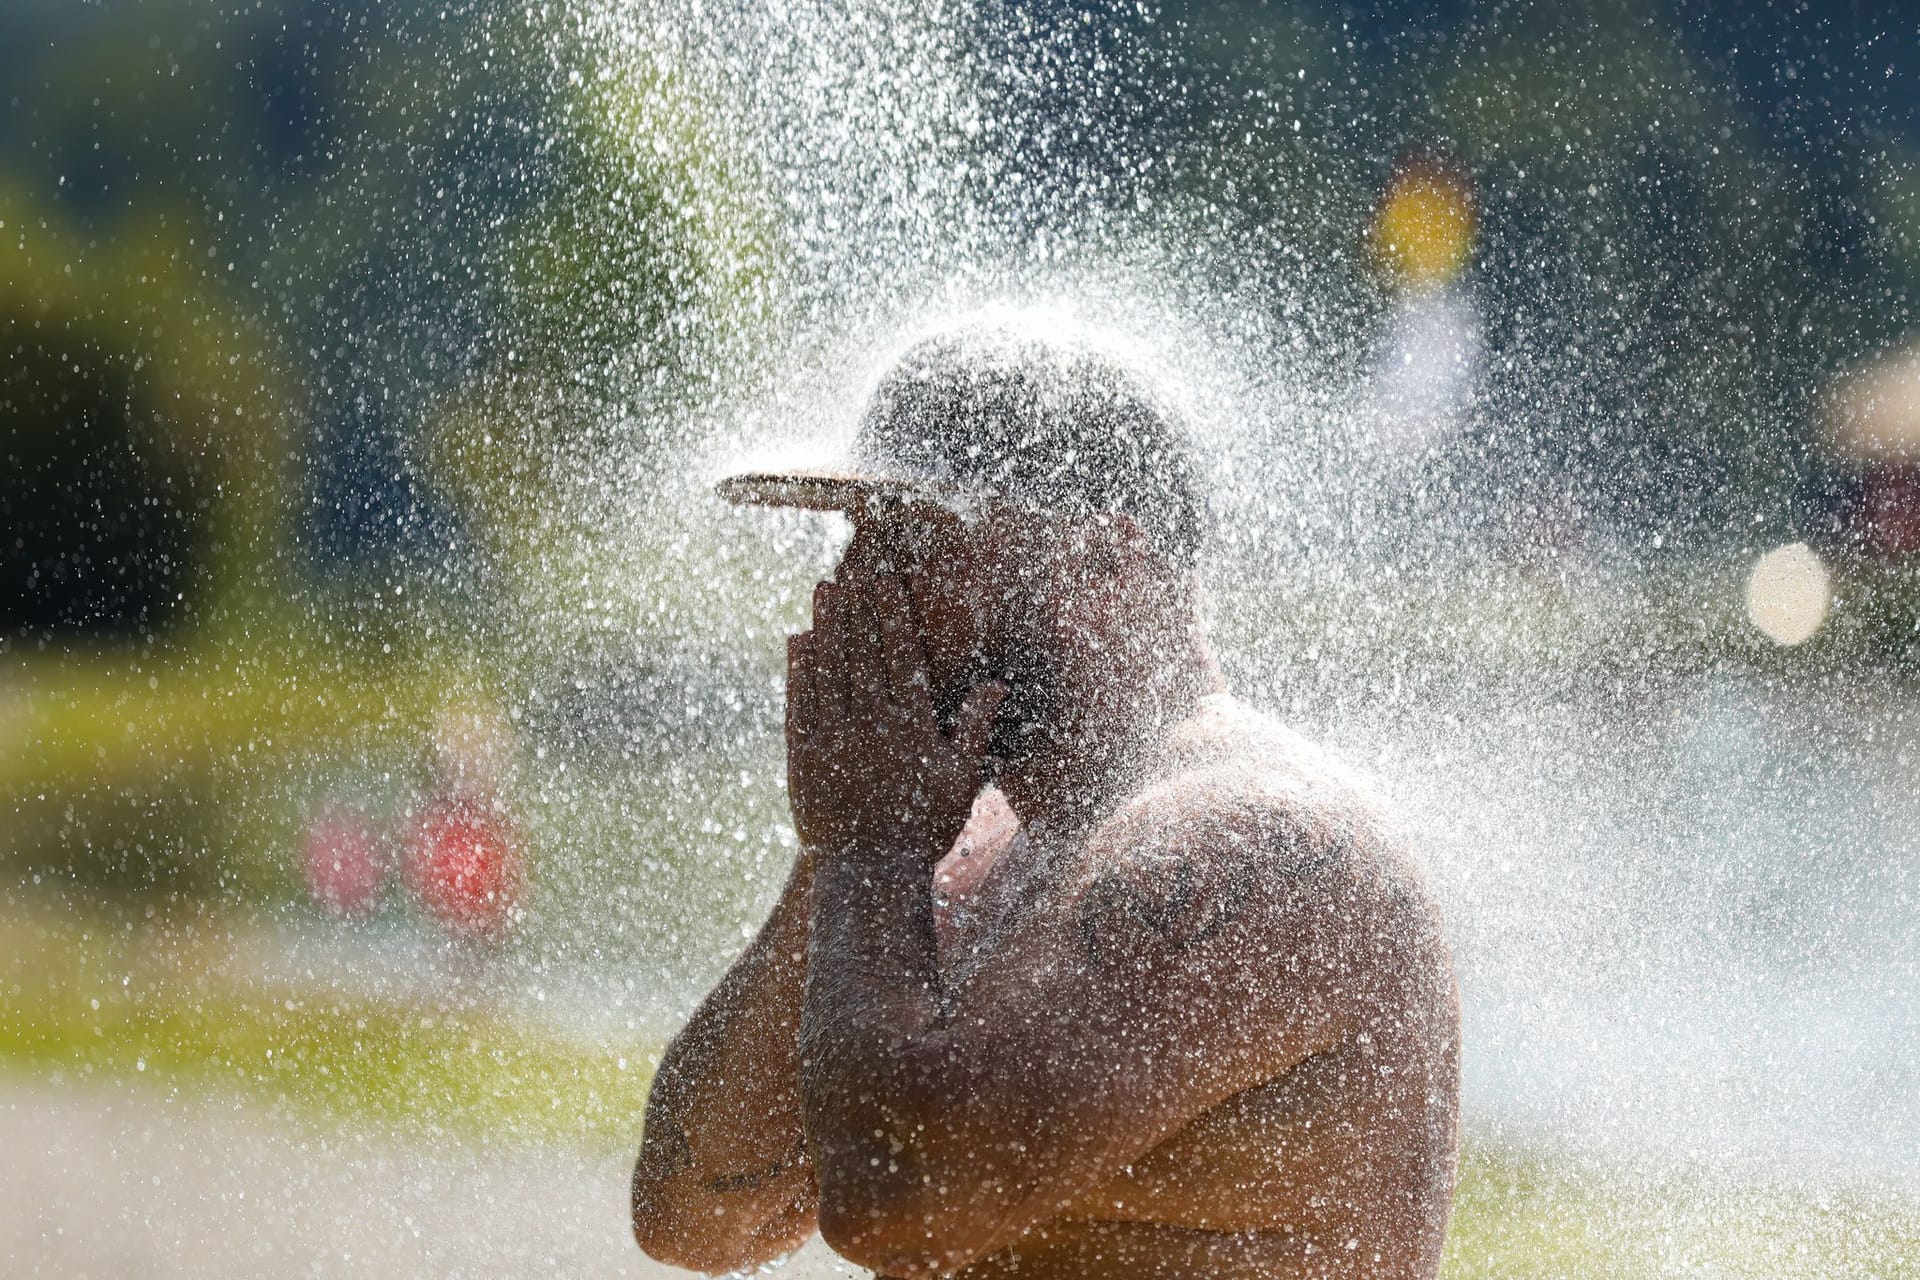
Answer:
[(236, 246), (479, 251), (1527, 1214), (193, 776), (656, 252), (1690, 219), (133, 330), (111, 999)]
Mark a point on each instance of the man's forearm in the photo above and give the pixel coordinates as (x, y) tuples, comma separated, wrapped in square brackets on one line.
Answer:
[(873, 1008), (873, 969), (892, 1098), (725, 1081), (723, 1180)]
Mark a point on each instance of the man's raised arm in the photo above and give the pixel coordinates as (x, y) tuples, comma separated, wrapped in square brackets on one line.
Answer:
[(723, 1181), (946, 1121)]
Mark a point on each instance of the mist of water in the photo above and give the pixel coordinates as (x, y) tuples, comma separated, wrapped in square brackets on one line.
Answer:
[(1680, 878), (1464, 532)]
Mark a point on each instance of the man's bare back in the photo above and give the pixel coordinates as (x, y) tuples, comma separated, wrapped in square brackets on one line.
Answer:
[(1277, 1179)]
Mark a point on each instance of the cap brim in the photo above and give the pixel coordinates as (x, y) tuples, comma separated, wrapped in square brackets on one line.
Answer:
[(821, 490)]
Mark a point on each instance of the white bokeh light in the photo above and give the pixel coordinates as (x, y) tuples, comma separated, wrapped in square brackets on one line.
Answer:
[(1788, 594)]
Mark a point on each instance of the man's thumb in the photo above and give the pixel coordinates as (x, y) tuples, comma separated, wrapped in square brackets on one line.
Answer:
[(973, 728)]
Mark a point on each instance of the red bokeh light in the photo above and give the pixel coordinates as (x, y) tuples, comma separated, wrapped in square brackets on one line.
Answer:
[(465, 866), (344, 862), (1888, 515)]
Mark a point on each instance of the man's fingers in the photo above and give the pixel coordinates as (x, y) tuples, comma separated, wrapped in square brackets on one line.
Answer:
[(800, 713), (860, 641), (906, 662), (973, 729), (826, 659)]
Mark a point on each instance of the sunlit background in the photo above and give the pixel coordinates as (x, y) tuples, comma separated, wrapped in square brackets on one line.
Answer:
[(388, 712)]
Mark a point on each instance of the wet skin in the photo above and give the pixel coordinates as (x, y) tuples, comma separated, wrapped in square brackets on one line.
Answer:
[(1297, 926), (1199, 1021)]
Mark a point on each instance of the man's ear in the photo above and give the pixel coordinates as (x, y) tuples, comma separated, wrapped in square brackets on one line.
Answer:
[(1120, 546)]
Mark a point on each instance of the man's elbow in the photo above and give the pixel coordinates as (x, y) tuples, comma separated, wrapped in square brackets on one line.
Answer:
[(695, 1236), (689, 1252), (695, 1246), (906, 1187), (893, 1242), (898, 1222), (676, 1238)]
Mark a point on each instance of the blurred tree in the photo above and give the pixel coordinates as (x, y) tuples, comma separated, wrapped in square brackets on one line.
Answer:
[(338, 171), (145, 442), (641, 285)]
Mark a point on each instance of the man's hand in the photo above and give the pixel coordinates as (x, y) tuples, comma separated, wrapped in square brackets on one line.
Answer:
[(867, 764)]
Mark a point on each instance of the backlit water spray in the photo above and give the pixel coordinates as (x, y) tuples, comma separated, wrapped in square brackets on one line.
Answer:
[(1679, 869), (1533, 491)]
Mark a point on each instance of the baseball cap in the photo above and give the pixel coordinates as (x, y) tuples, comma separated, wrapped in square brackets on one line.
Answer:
[(991, 412)]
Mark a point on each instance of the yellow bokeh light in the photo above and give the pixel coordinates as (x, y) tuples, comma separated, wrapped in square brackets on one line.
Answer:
[(1422, 234)]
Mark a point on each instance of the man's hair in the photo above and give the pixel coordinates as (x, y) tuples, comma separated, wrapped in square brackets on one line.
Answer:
[(1053, 426)]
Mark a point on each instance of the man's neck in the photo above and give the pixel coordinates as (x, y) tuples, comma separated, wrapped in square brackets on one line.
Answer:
[(1097, 747)]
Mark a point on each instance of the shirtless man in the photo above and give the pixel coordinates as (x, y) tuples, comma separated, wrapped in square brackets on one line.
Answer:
[(1084, 969)]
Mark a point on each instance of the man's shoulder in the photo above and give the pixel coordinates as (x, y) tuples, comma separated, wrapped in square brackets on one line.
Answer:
[(1247, 832), (1239, 787)]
